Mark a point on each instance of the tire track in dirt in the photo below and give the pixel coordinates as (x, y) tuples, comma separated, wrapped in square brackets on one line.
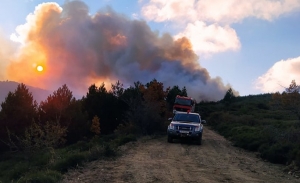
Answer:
[(155, 160)]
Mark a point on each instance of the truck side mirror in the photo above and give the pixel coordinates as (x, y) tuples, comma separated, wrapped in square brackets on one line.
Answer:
[(203, 121)]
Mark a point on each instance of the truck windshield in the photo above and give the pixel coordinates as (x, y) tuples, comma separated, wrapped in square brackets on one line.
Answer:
[(182, 101), (187, 118)]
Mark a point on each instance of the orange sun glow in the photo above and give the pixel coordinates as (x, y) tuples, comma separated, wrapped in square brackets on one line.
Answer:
[(39, 68)]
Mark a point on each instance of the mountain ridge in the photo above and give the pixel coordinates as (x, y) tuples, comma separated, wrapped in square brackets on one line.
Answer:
[(10, 86)]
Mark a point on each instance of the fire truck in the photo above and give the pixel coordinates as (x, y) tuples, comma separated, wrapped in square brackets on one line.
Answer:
[(184, 104)]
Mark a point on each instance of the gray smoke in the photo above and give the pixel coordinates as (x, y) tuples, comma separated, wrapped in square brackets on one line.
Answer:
[(82, 49)]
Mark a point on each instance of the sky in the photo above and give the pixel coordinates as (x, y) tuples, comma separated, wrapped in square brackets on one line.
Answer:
[(209, 46)]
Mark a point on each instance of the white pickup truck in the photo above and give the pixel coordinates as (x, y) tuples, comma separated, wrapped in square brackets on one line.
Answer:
[(186, 125)]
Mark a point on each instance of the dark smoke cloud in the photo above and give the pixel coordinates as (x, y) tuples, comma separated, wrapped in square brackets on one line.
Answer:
[(81, 49)]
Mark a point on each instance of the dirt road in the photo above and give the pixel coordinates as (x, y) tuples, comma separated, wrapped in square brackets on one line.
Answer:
[(155, 160)]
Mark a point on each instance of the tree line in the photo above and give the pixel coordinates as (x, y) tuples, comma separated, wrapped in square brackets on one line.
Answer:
[(267, 123), (61, 119)]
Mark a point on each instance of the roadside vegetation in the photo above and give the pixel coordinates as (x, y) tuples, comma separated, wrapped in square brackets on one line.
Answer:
[(49, 164), (268, 123), (40, 142)]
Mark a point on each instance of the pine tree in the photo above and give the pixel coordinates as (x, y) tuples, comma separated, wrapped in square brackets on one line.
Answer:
[(95, 127)]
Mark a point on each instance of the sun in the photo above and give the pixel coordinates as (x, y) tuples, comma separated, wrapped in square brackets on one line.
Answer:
[(39, 68)]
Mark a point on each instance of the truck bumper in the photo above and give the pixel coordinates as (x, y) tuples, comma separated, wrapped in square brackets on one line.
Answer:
[(176, 134)]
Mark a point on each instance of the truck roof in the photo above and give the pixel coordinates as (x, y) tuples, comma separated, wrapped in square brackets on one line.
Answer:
[(183, 97), (178, 96), (180, 112)]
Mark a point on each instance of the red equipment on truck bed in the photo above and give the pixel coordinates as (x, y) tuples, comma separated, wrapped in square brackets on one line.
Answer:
[(184, 104)]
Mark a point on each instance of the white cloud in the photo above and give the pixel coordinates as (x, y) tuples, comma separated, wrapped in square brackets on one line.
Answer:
[(134, 15), (22, 30), (279, 76), (197, 17), (161, 10), (231, 11), (210, 38), (225, 11)]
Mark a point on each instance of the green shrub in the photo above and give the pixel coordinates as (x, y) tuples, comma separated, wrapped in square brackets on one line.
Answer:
[(247, 137), (17, 170), (38, 137), (109, 151), (297, 158), (127, 128), (218, 118), (108, 138), (95, 153), (79, 146), (48, 176), (254, 123), (16, 165), (69, 161), (121, 140), (277, 153), (263, 106), (40, 158)]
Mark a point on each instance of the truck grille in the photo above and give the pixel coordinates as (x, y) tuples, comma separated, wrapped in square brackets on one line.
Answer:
[(185, 128)]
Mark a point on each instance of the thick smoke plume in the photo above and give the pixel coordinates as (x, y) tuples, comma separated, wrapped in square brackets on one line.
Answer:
[(80, 49)]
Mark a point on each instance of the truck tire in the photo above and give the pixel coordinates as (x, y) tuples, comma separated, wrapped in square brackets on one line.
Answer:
[(170, 139), (199, 140)]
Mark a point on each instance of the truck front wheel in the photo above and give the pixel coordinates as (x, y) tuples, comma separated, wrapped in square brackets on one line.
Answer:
[(170, 139), (199, 140)]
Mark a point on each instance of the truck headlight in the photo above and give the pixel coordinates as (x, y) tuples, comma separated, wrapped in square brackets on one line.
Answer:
[(171, 127), (197, 128)]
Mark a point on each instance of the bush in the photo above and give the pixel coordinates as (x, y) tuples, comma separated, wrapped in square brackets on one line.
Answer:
[(48, 176), (69, 161), (277, 153), (275, 140), (39, 137), (263, 106), (79, 146), (95, 153), (125, 139), (108, 138), (109, 151), (297, 161), (247, 137), (40, 158), (17, 171), (127, 128)]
